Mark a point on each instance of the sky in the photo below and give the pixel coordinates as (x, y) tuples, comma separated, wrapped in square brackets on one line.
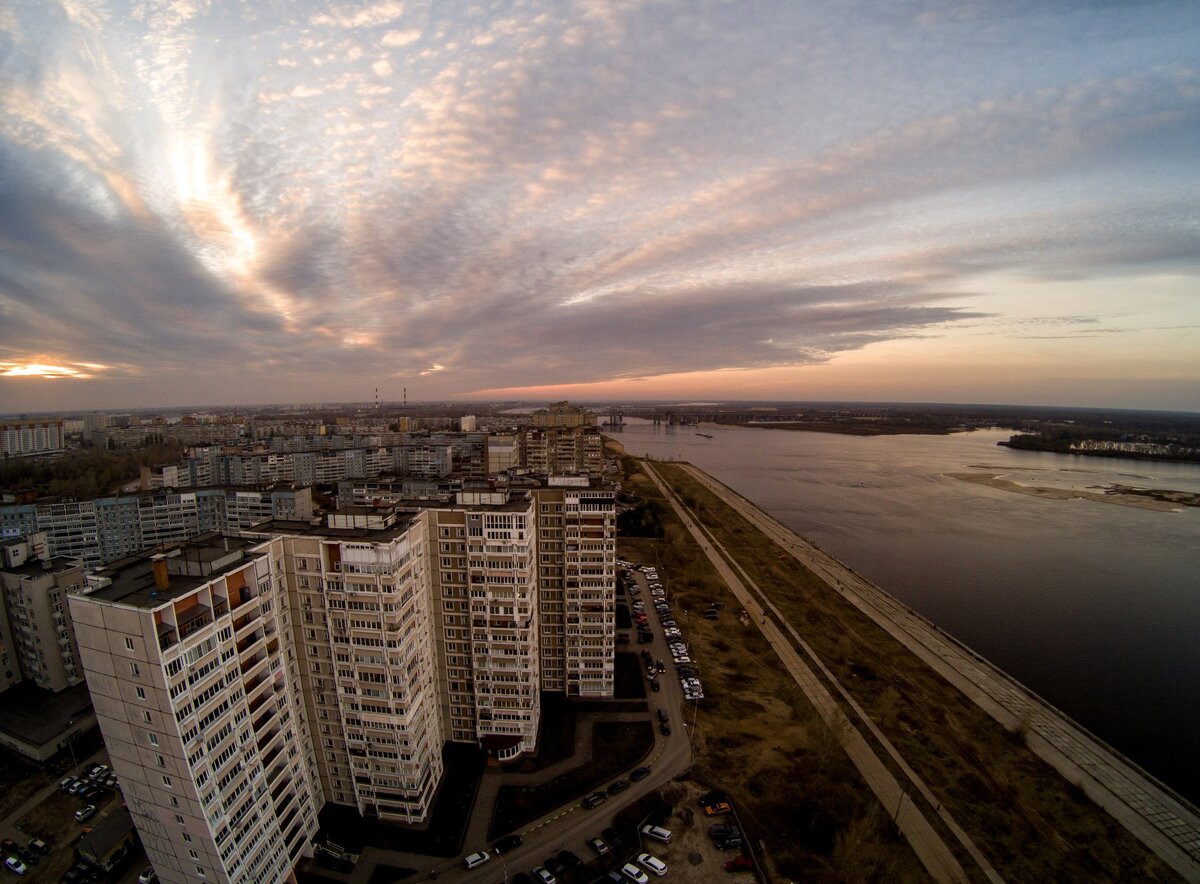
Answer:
[(267, 201)]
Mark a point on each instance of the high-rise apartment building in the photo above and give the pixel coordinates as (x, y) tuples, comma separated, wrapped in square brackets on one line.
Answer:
[(38, 638), (196, 691), (368, 642)]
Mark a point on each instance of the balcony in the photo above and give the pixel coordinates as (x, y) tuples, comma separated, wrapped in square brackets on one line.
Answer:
[(247, 596), (193, 619)]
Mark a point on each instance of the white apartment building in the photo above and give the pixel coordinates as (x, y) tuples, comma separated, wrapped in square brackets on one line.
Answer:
[(26, 438), (196, 691)]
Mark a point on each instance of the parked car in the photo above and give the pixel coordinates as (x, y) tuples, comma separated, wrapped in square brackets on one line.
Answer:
[(148, 876), (65, 784), (618, 786), (733, 842), (652, 864), (658, 833), (475, 860), (554, 865), (598, 845), (664, 729), (544, 875), (639, 773), (39, 846), (654, 686), (8, 845), (718, 809), (77, 787), (569, 859), (613, 837), (722, 830), (507, 843), (633, 873), (594, 799), (15, 866), (741, 863), (662, 714), (85, 813), (713, 796)]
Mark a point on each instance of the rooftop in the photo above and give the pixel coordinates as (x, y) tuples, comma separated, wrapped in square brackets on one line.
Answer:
[(130, 581)]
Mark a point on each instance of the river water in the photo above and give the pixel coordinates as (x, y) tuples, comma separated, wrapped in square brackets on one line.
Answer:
[(1094, 606)]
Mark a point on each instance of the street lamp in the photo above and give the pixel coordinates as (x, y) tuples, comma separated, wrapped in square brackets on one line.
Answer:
[(71, 742)]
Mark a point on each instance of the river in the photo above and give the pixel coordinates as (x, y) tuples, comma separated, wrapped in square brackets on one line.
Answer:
[(1094, 606)]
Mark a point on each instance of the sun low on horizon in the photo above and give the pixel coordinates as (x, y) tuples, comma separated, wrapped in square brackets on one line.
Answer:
[(205, 202)]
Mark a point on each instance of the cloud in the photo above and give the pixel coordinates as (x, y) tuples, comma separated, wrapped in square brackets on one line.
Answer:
[(553, 192)]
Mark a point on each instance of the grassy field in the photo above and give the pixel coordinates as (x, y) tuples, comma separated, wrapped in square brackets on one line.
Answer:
[(1028, 821), (758, 737)]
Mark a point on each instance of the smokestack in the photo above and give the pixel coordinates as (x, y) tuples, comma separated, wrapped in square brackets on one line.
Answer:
[(162, 580)]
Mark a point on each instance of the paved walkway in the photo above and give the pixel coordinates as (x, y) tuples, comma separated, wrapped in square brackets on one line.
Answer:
[(1164, 821), (930, 848)]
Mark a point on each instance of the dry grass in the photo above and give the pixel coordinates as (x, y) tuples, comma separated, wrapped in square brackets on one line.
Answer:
[(758, 737), (1030, 822)]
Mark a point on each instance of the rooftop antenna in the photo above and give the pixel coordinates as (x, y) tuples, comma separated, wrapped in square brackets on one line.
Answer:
[(406, 397), (377, 399)]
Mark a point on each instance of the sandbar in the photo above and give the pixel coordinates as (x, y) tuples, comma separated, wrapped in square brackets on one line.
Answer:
[(1121, 495)]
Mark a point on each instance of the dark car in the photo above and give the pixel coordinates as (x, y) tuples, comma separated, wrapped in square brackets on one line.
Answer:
[(654, 686), (662, 715), (713, 797), (555, 866), (664, 729), (722, 830), (739, 864), (507, 843), (611, 836), (521, 878), (618, 786), (639, 773), (570, 860), (594, 800)]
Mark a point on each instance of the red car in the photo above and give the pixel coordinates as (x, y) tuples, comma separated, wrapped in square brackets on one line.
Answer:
[(739, 864)]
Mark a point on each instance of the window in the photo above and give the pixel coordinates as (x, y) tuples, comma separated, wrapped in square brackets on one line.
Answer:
[(141, 693), (174, 801), (128, 644), (162, 762), (167, 781), (146, 716), (134, 670), (186, 836), (179, 819), (193, 854), (153, 739)]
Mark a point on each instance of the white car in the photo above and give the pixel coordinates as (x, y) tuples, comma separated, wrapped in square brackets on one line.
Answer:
[(475, 860), (652, 864), (658, 833), (147, 876), (15, 866), (85, 813), (633, 873), (544, 875)]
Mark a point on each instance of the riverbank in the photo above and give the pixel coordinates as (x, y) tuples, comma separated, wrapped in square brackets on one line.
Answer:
[(1163, 821), (1010, 803)]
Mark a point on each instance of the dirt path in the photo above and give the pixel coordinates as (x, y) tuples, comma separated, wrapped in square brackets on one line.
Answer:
[(928, 845)]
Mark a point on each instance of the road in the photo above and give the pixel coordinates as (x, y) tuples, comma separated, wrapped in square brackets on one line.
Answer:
[(930, 848), (1164, 821)]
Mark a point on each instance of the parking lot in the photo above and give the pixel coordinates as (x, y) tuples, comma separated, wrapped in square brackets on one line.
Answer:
[(49, 816)]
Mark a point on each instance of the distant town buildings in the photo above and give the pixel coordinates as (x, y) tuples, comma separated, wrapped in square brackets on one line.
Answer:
[(104, 529), (30, 438)]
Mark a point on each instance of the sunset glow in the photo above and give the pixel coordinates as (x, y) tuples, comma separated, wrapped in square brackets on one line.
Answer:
[(306, 201)]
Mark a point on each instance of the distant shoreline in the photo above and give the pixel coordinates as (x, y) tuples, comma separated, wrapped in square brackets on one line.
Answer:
[(850, 429)]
